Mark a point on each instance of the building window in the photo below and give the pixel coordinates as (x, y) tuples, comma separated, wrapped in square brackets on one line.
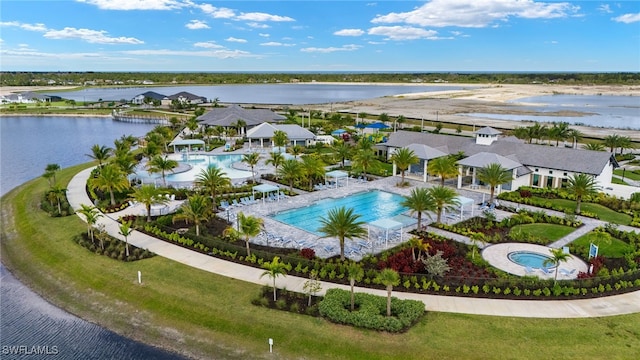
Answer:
[(536, 180), (536, 170), (550, 181), (565, 174), (550, 171)]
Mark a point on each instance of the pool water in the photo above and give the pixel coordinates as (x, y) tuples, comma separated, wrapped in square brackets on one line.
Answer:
[(198, 163), (530, 259), (370, 205)]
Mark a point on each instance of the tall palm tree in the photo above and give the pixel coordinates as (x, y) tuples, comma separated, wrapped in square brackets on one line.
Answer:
[(162, 164), (342, 151), (296, 150), (126, 230), (290, 171), (365, 160), (444, 199), (625, 143), (312, 168), (557, 256), (110, 178), (582, 185), (494, 174), (612, 141), (249, 226), (355, 272), (151, 150), (403, 158), (100, 153), (91, 215), (196, 210), (58, 193), (274, 269), (419, 201), (252, 160), (52, 169), (522, 133), (149, 195), (343, 224), (559, 131), (444, 167), (280, 138), (575, 135), (389, 278), (276, 159), (211, 179), (416, 243)]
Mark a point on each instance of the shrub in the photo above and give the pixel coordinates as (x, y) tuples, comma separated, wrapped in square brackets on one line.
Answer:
[(308, 253)]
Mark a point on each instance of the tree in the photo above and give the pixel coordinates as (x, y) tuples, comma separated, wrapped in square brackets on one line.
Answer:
[(494, 174), (296, 150), (58, 193), (52, 169), (575, 135), (312, 167), (276, 159), (419, 201), (522, 133), (625, 143), (110, 178), (280, 138), (249, 226), (559, 131), (274, 269), (403, 158), (444, 167), (444, 198), (152, 149), (312, 286), (149, 195), (211, 179), (252, 160), (612, 141), (126, 230), (195, 210), (582, 185), (416, 243), (593, 146), (365, 160), (476, 239), (162, 164), (91, 215), (389, 278), (343, 224), (290, 171), (342, 151), (557, 256), (100, 153), (355, 272)]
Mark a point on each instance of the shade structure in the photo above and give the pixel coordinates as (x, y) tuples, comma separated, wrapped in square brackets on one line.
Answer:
[(387, 224), (265, 188), (464, 201), (337, 175), (338, 132), (377, 125)]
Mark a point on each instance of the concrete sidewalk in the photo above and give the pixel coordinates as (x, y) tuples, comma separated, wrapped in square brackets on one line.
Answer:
[(607, 306)]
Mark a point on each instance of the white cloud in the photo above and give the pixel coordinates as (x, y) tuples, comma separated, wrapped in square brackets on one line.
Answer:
[(627, 18), (208, 45), (220, 54), (403, 32), (30, 27), (275, 43), (90, 36), (217, 13), (605, 8), (262, 17), (326, 50), (256, 25), (197, 25), (136, 4), (349, 32), (476, 13), (232, 39), (264, 35)]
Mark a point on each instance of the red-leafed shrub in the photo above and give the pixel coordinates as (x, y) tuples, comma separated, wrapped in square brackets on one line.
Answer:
[(447, 249), (525, 193), (308, 253), (402, 261)]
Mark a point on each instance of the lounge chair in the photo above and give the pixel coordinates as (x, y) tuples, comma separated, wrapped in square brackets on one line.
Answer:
[(529, 270), (566, 272), (235, 202), (547, 271)]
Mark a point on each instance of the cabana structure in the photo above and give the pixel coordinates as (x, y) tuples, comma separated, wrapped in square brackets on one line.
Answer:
[(296, 134), (386, 224), (187, 145), (483, 159), (336, 175), (464, 201), (265, 189), (424, 153)]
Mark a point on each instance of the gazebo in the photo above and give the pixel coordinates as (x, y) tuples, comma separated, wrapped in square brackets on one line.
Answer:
[(387, 224), (265, 189), (336, 175), (464, 201), (186, 144)]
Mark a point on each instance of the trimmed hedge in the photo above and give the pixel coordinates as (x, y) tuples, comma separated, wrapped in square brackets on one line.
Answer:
[(371, 311)]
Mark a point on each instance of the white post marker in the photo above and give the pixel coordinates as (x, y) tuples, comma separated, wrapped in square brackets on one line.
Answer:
[(139, 277), (270, 345)]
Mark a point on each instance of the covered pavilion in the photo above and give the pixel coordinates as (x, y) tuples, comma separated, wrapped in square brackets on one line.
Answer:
[(265, 189), (336, 175), (483, 159), (187, 144), (386, 224)]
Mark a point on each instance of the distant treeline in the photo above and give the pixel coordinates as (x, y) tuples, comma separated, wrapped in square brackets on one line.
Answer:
[(159, 78)]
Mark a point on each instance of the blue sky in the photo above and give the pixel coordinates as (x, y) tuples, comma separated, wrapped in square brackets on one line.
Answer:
[(289, 35)]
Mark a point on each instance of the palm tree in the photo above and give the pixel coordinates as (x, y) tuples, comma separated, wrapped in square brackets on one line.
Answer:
[(274, 269), (444, 167), (593, 146), (312, 168), (110, 178), (290, 171), (625, 143), (342, 151), (280, 138), (582, 185), (149, 195), (126, 230), (276, 159), (151, 150), (494, 174), (389, 278), (576, 136), (58, 193), (355, 272), (416, 243), (476, 239), (296, 150), (419, 201), (522, 133), (557, 256), (100, 153), (559, 131), (612, 141), (252, 160), (91, 215), (240, 125), (249, 226), (365, 160), (52, 169), (403, 158), (343, 224), (195, 210), (444, 198), (211, 179), (162, 164)]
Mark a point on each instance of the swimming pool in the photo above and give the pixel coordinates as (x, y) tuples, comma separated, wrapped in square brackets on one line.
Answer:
[(530, 259), (370, 205), (198, 162)]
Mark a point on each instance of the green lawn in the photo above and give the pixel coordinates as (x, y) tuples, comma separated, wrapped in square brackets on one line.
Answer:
[(210, 316), (603, 212), (552, 232), (615, 249), (627, 174)]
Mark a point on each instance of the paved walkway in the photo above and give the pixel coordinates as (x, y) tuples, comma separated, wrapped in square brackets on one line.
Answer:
[(606, 306)]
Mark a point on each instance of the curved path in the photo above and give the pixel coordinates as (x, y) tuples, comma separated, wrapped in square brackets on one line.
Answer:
[(606, 306)]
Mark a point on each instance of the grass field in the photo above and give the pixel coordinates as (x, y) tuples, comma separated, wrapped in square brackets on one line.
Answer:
[(615, 249), (551, 232), (209, 316), (603, 212), (627, 174)]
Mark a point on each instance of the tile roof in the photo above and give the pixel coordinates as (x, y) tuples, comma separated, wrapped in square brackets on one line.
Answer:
[(229, 116)]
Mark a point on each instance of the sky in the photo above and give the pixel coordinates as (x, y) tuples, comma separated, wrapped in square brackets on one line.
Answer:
[(319, 36)]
